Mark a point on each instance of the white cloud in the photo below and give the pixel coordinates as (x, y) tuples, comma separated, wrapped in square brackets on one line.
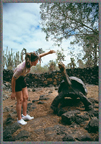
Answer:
[(21, 29)]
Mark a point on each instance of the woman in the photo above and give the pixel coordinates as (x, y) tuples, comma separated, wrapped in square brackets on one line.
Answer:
[(19, 88)]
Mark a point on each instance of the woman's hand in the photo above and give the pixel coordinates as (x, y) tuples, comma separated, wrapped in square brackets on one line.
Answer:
[(13, 96), (51, 51)]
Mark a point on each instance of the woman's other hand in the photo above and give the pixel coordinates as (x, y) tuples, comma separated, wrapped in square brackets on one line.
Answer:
[(13, 96), (51, 51)]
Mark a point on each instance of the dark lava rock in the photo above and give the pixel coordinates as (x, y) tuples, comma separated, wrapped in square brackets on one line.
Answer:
[(9, 120), (93, 125), (81, 118), (55, 133), (33, 90), (34, 101), (69, 117), (68, 138), (43, 98), (9, 130), (85, 137), (5, 96), (96, 113), (41, 102), (97, 138), (6, 109), (22, 135)]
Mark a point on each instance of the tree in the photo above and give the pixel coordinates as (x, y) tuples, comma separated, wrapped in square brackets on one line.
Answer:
[(81, 64), (4, 60), (72, 64), (17, 59), (52, 65), (60, 55), (63, 20), (9, 59)]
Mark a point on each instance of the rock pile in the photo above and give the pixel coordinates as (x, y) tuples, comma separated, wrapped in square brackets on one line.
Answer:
[(87, 75)]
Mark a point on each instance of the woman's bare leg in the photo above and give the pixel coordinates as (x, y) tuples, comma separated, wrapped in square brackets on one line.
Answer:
[(25, 99), (19, 103)]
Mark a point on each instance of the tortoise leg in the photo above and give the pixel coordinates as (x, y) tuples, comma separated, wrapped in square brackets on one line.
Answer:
[(56, 101), (86, 102)]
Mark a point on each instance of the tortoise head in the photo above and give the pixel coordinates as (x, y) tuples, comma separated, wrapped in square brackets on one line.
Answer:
[(61, 66)]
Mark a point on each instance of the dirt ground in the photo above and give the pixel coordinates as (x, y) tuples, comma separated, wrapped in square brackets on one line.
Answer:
[(43, 114)]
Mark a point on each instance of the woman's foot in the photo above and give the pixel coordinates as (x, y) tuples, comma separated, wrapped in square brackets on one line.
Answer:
[(21, 121), (27, 117)]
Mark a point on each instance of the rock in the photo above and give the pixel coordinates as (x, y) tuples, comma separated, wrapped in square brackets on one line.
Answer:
[(5, 96), (22, 135), (34, 101), (68, 138), (9, 130), (54, 78), (9, 120), (56, 88), (96, 106), (69, 117), (38, 131), (93, 125), (29, 104), (33, 90), (96, 113), (33, 107), (4, 87), (29, 99), (6, 109), (51, 91), (74, 125), (29, 89), (57, 132), (41, 102), (43, 98), (81, 118), (85, 137), (97, 138)]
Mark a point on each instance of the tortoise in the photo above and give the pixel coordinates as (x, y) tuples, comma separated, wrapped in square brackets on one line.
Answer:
[(71, 87)]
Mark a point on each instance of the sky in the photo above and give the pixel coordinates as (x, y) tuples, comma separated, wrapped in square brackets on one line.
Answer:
[(22, 29)]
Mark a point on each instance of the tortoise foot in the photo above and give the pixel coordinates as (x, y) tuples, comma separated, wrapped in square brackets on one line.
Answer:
[(55, 109)]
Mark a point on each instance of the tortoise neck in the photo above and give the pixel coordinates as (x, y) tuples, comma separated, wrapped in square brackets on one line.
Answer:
[(66, 77)]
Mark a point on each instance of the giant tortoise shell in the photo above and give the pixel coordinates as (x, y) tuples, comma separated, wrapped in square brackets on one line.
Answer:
[(77, 84)]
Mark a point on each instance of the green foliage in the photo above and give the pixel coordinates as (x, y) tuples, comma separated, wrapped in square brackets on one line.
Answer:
[(60, 55), (72, 64), (38, 69), (10, 59), (4, 60), (52, 65), (63, 20), (81, 64)]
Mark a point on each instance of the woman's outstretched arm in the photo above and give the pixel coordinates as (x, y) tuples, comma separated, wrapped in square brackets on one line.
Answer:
[(46, 53)]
